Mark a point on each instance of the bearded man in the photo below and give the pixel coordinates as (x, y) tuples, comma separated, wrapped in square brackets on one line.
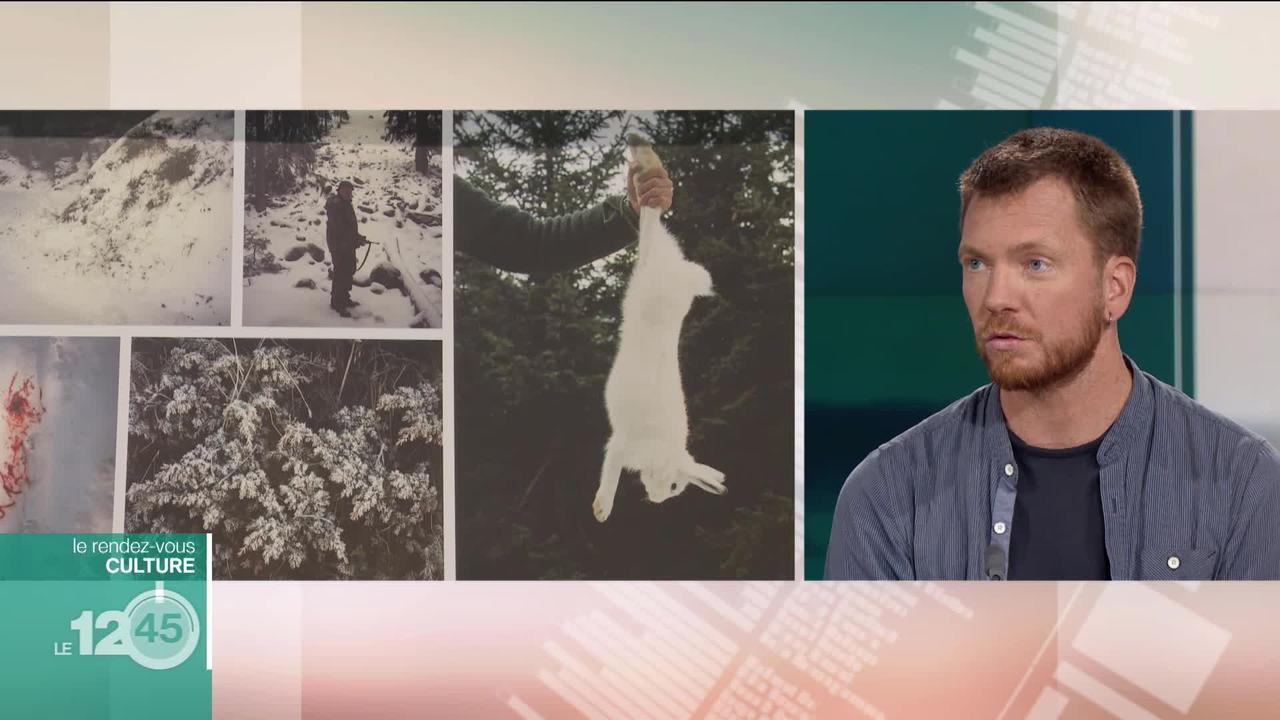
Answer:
[(1073, 464)]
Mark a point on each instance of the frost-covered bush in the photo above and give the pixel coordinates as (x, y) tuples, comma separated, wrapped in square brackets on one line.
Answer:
[(305, 459)]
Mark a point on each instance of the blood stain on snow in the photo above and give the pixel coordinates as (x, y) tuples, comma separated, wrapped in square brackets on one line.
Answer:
[(21, 414)]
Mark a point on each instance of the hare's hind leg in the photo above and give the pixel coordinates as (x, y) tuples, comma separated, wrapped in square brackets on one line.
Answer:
[(704, 476), (609, 474)]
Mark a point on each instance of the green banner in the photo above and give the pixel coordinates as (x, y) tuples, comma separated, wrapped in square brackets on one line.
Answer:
[(104, 626)]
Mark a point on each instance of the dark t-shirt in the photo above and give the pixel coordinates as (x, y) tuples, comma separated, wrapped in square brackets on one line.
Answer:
[(1057, 529)]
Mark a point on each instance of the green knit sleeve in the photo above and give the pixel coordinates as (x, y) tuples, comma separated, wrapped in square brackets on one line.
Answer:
[(517, 241)]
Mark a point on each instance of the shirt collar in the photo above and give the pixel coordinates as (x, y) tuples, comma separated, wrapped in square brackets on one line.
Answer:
[(1134, 416)]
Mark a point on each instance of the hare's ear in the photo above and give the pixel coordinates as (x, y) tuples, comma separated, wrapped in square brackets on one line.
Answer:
[(711, 486), (707, 478)]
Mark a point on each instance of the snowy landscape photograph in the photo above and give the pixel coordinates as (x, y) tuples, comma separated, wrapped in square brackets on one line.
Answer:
[(306, 459), (58, 435), (116, 217), (343, 219), (623, 353)]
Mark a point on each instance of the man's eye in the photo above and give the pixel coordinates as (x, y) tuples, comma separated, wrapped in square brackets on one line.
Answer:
[(973, 264), (1038, 265)]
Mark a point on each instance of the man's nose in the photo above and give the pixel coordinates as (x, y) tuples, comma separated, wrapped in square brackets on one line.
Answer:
[(1002, 291)]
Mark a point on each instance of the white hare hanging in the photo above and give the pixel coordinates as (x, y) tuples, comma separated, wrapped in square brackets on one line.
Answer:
[(644, 396)]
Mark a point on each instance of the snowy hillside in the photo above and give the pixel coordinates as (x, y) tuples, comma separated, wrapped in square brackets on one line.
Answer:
[(399, 210), (139, 235)]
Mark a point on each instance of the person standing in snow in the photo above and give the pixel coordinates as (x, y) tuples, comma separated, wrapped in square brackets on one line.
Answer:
[(342, 234), (517, 241)]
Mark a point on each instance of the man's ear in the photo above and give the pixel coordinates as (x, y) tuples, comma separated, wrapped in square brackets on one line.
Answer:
[(1119, 275)]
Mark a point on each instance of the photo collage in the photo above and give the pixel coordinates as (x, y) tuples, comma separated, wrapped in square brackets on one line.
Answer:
[(406, 344)]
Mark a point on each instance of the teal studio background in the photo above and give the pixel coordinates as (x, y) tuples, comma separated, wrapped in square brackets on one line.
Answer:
[(887, 338)]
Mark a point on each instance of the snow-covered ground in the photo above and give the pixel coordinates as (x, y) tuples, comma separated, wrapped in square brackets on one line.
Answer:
[(399, 210), (139, 234)]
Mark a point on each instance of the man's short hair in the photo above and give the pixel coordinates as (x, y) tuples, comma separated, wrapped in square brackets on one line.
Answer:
[(345, 185), (1106, 193)]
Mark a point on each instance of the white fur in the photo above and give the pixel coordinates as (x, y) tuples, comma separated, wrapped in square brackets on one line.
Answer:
[(644, 396)]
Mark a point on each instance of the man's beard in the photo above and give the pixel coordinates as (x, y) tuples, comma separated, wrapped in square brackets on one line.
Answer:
[(1061, 362)]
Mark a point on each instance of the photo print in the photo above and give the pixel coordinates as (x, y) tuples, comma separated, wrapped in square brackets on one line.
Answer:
[(624, 312), (343, 219), (306, 459), (116, 217), (58, 434)]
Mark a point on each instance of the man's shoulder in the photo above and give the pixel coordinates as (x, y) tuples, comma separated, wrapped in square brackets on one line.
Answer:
[(938, 439), (1192, 425), (963, 419)]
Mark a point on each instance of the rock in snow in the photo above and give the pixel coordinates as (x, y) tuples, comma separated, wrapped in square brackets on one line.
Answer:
[(423, 219), (297, 251), (387, 275), (431, 277)]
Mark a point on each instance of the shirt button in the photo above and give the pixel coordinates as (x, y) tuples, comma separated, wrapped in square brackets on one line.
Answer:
[(1001, 527), (1008, 470), (1174, 562)]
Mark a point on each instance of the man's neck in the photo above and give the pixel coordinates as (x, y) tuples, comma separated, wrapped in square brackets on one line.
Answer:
[(1076, 412)]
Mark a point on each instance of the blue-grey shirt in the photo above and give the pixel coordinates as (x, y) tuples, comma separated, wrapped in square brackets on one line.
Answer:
[(1186, 495)]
